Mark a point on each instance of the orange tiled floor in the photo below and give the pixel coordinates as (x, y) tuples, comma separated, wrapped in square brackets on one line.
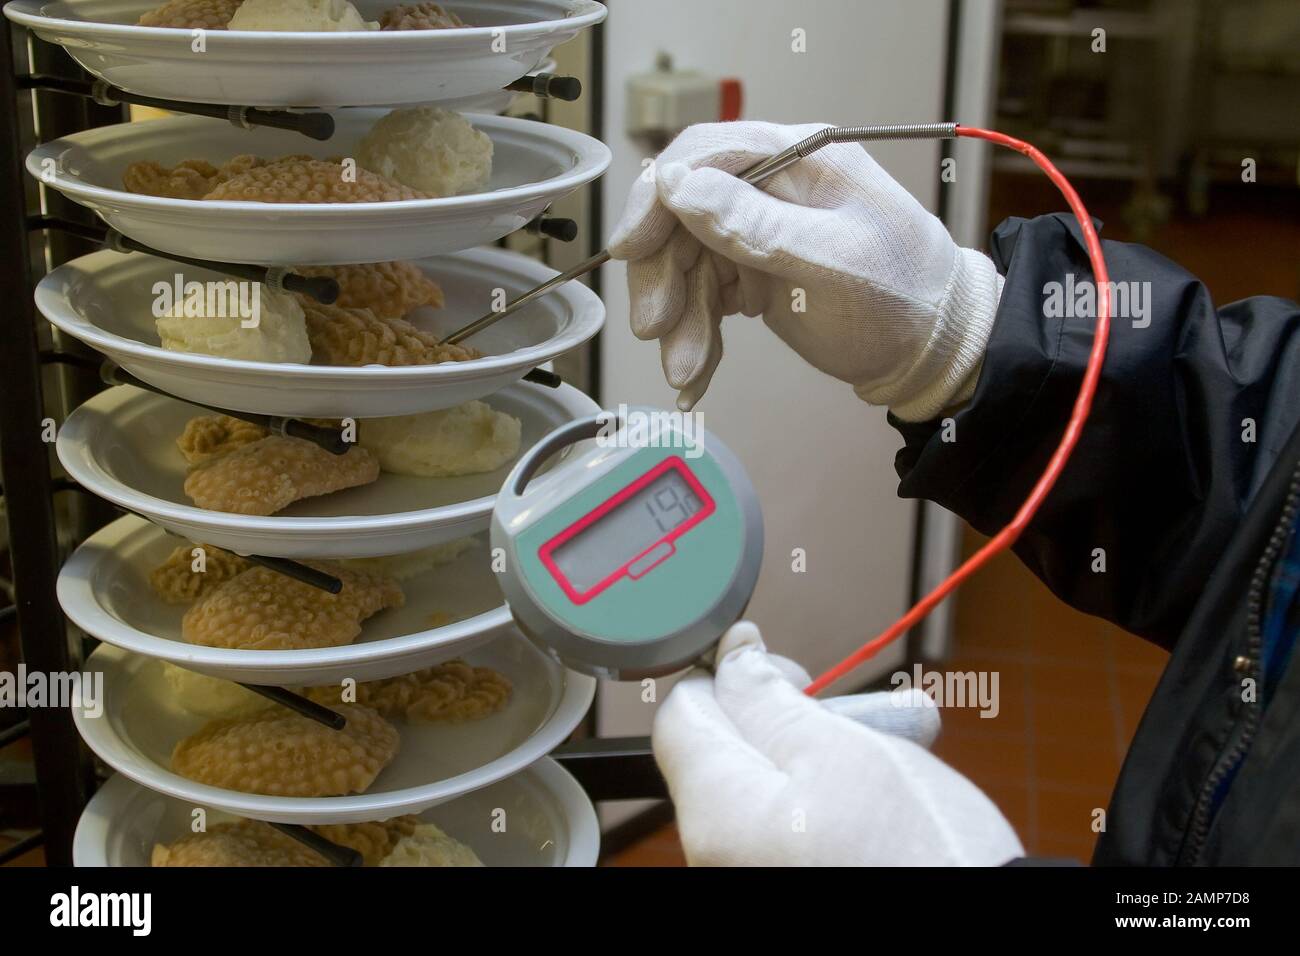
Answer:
[(1072, 689)]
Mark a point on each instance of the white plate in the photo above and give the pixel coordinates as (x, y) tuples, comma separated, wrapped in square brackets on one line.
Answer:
[(120, 445), (246, 68), (549, 821), (104, 588), (105, 300), (533, 165), (142, 722)]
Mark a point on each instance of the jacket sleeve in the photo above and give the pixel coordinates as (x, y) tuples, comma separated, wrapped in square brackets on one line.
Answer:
[(1193, 408)]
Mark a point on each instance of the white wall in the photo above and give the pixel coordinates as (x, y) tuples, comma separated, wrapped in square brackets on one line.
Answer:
[(821, 459)]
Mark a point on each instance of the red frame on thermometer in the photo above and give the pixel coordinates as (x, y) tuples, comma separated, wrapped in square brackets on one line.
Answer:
[(546, 552)]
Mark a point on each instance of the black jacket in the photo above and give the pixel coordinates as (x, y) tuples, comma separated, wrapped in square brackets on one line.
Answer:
[(1190, 513)]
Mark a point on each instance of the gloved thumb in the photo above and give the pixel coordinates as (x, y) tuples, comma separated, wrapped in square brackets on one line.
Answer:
[(910, 714)]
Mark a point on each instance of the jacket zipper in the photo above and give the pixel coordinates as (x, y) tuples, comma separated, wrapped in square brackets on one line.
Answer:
[(1254, 643)]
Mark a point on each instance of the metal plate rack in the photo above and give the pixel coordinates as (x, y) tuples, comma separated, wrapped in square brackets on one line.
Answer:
[(38, 383)]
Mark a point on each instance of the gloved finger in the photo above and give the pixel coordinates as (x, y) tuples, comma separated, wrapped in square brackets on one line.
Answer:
[(749, 226), (778, 719), (746, 634), (656, 286), (645, 224), (733, 146), (791, 671), (691, 350), (705, 761), (909, 714)]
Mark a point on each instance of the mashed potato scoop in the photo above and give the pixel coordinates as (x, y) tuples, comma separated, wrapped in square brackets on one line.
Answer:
[(468, 439)]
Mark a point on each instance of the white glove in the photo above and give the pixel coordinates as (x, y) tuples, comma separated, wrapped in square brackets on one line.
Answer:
[(763, 775), (841, 262)]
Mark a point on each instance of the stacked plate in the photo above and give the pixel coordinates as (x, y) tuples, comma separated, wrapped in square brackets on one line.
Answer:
[(487, 782)]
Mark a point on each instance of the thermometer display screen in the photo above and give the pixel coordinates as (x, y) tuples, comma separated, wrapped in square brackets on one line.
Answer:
[(630, 533)]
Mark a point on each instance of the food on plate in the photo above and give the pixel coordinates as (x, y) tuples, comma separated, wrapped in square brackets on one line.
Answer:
[(385, 288), (261, 609), (403, 567), (210, 696), (272, 473), (191, 14), (241, 843), (401, 841), (429, 149), (468, 439), (278, 332), (212, 436), (429, 846), (188, 179), (185, 577), (419, 16), (452, 691), (279, 753), (247, 178), (310, 16), (299, 180), (373, 841), (343, 336)]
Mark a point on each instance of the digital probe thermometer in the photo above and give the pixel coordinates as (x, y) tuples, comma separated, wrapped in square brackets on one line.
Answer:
[(630, 556)]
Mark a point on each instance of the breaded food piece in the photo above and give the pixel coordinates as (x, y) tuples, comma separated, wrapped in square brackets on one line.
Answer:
[(298, 179), (385, 288), (429, 846), (191, 179), (191, 14), (403, 567), (279, 753), (373, 841), (270, 474), (342, 336), (210, 696), (214, 436), (419, 16), (241, 843), (452, 691), (467, 439), (262, 609), (176, 581), (188, 179)]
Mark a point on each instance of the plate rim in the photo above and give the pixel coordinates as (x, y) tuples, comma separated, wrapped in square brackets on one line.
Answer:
[(71, 448), (575, 700), (592, 156), (76, 596), (90, 839), (53, 301), (583, 14)]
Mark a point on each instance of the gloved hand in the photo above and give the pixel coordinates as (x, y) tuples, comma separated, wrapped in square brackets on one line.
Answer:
[(763, 775), (841, 261)]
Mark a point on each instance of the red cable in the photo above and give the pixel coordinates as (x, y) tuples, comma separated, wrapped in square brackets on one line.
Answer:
[(1082, 405)]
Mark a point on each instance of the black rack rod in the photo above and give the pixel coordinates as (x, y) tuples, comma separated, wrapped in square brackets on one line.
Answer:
[(321, 288), (548, 85), (25, 845), (312, 124), (330, 439), (338, 855), (62, 764), (299, 705), (613, 768), (15, 732)]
